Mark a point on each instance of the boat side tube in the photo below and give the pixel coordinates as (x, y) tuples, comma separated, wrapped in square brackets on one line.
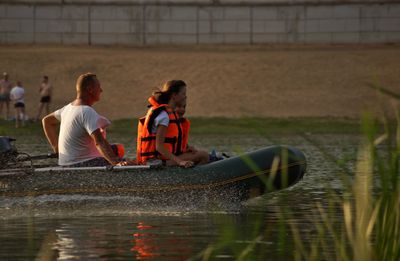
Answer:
[(258, 172)]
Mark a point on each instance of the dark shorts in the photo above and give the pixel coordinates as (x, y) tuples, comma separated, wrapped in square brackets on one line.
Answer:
[(5, 97), (45, 99), (19, 105), (96, 162)]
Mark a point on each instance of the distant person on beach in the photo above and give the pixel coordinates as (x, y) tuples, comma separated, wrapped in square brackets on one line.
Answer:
[(160, 131), (81, 141), (45, 91), (17, 96), (5, 88)]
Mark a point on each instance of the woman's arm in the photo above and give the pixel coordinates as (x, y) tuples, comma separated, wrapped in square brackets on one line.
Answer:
[(160, 137)]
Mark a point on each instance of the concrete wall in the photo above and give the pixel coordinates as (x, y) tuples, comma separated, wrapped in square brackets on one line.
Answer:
[(76, 22)]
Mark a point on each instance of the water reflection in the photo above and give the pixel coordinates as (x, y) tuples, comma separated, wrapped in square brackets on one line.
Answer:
[(68, 227), (150, 241), (144, 245)]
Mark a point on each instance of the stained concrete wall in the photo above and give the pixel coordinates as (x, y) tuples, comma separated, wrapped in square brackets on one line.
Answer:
[(134, 23)]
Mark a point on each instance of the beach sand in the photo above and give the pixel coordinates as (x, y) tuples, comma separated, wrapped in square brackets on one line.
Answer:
[(227, 81)]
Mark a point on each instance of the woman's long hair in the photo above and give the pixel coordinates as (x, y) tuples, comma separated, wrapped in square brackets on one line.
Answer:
[(163, 96)]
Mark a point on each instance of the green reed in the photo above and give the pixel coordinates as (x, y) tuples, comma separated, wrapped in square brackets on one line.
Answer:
[(369, 203), (369, 207)]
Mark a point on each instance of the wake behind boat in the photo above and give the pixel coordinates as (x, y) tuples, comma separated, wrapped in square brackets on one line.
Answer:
[(238, 178)]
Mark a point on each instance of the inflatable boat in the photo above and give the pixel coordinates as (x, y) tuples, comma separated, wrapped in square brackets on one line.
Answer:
[(237, 178)]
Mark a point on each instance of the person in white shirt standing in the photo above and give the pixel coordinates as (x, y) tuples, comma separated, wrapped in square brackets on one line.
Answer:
[(17, 96), (80, 141)]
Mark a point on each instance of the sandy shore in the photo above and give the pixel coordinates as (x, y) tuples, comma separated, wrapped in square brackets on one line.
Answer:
[(231, 81)]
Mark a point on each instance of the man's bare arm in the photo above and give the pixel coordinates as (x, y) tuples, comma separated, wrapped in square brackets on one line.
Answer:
[(105, 149), (50, 127)]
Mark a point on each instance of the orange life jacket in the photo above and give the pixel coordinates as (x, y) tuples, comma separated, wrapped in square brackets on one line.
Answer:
[(185, 124), (146, 141)]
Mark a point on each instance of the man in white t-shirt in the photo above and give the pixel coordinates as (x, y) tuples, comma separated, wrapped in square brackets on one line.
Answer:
[(17, 96), (81, 141)]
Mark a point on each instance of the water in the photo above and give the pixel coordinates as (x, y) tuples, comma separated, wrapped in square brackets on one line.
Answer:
[(81, 227)]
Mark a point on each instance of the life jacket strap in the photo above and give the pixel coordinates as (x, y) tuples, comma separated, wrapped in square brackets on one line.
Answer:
[(180, 120), (151, 138), (152, 153), (148, 138), (170, 140)]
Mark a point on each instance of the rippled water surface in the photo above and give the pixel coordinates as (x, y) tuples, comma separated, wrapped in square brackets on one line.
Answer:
[(82, 227)]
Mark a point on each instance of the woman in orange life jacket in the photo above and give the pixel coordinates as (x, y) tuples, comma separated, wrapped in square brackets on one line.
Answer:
[(160, 132), (180, 110)]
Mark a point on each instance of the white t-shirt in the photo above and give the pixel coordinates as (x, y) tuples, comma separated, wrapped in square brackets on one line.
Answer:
[(103, 123), (75, 144), (161, 119), (17, 94)]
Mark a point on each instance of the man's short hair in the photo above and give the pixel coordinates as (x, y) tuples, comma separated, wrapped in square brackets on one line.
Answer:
[(85, 80)]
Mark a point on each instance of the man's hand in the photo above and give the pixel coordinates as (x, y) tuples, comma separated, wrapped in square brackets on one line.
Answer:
[(122, 163), (55, 149), (127, 163)]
